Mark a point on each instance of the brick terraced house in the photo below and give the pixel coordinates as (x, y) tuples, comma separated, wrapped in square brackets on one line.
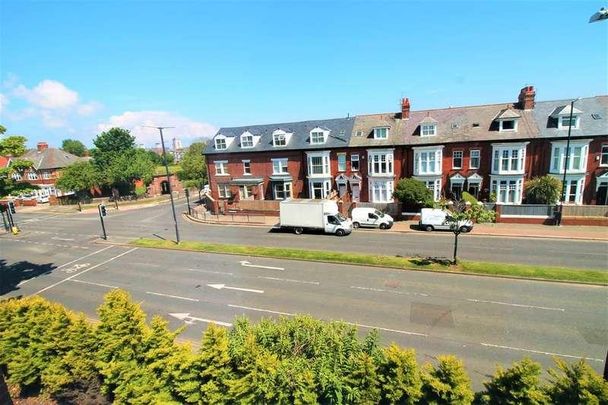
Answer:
[(485, 149)]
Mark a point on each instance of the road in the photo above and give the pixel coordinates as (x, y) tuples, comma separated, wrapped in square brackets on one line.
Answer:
[(483, 320)]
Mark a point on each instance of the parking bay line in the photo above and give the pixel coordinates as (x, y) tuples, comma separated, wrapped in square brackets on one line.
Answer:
[(84, 271), (92, 283)]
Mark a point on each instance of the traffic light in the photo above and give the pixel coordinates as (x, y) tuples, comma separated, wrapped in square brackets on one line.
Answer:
[(11, 207), (102, 209)]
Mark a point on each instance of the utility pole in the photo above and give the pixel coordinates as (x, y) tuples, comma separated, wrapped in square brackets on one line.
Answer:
[(162, 142), (566, 163)]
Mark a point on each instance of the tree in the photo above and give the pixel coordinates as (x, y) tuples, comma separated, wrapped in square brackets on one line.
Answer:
[(457, 219), (519, 384), (414, 193), (13, 146), (543, 190), (73, 146), (447, 383), (8, 185), (129, 166), (194, 168), (79, 177), (111, 144), (400, 379), (576, 384)]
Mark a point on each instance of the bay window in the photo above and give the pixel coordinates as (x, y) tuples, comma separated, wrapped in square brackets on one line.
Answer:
[(381, 191), (577, 157), (508, 159), (427, 161), (380, 162)]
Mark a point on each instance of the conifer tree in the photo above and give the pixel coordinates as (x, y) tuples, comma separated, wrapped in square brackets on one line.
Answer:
[(519, 384), (447, 383), (576, 384), (399, 376)]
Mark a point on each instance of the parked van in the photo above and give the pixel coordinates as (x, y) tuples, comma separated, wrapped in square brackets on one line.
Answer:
[(432, 219), (371, 217), (307, 214)]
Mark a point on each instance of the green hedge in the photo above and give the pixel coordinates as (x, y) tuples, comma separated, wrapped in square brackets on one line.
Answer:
[(124, 359)]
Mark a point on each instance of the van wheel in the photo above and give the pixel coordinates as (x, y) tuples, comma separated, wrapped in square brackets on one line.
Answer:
[(340, 232), (428, 228), (382, 226), (298, 230), (356, 225)]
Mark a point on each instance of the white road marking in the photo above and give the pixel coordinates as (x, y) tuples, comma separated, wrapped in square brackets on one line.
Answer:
[(260, 310), (245, 263), (290, 280), (173, 296), (84, 257), (92, 283), (210, 272), (191, 319), (388, 291), (84, 271), (540, 352), (224, 286), (403, 332), (62, 239), (76, 267), (516, 305)]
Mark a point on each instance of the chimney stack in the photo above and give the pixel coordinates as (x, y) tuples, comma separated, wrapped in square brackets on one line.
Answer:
[(405, 108), (526, 98), (42, 146)]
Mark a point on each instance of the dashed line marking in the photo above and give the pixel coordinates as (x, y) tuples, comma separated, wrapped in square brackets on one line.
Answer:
[(541, 352), (289, 280), (516, 305), (97, 284)]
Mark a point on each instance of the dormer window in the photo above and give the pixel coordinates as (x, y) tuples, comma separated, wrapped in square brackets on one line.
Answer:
[(247, 140), (507, 120), (563, 115), (318, 136), (220, 143), (381, 133), (565, 122), (279, 138), (428, 130)]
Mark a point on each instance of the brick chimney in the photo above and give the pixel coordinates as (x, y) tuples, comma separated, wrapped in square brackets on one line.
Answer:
[(526, 98), (42, 146), (405, 108)]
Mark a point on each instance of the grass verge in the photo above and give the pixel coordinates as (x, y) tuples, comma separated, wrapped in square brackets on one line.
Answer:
[(405, 263)]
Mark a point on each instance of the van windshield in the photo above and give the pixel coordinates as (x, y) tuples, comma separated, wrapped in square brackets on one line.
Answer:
[(340, 217), (380, 214)]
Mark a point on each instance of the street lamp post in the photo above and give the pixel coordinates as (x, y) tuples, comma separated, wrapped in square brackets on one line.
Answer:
[(563, 196), (162, 142)]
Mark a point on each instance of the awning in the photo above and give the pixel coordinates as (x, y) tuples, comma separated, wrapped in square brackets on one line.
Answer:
[(247, 181), (280, 179)]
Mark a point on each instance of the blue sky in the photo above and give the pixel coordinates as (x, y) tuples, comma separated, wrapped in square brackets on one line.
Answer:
[(71, 69)]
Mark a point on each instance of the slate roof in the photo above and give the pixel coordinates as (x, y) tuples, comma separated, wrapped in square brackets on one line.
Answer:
[(50, 158), (339, 136), (588, 126)]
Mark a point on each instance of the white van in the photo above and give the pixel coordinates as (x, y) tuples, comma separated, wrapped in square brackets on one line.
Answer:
[(371, 217), (432, 219)]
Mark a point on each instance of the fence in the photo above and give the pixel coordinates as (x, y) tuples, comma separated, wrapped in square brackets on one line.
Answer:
[(202, 214), (585, 210), (527, 210)]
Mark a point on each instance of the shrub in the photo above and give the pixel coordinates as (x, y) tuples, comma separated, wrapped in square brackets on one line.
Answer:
[(413, 192), (400, 376), (469, 198), (140, 191), (576, 384), (479, 214), (543, 190), (447, 383), (519, 384)]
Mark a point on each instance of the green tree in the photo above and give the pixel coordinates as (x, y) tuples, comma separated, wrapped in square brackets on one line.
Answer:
[(74, 146), (193, 167), (413, 193), (13, 146), (8, 185), (400, 379), (543, 190), (111, 144), (576, 384), (79, 177), (129, 166), (519, 384), (447, 383)]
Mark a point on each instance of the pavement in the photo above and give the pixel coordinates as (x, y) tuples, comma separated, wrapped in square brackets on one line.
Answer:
[(599, 233)]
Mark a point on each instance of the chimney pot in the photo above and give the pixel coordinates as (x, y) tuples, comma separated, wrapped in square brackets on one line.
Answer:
[(405, 108), (42, 146), (526, 98)]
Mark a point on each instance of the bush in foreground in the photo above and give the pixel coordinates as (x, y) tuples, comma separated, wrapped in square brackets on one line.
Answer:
[(125, 359)]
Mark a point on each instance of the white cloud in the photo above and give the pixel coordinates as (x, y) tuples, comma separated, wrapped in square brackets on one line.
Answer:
[(89, 108), (3, 102), (136, 122), (48, 94)]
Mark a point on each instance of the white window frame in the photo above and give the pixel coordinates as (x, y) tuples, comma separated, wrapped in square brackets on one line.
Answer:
[(286, 190), (281, 164), (325, 164), (454, 152), (221, 168), (604, 154), (246, 192), (423, 158), (381, 191), (558, 157), (428, 129), (223, 191), (221, 142), (16, 176), (341, 162), (246, 165), (435, 186), (471, 157), (381, 162), (354, 157), (279, 139), (32, 175), (325, 187), (561, 118), (512, 183), (314, 139), (510, 156), (249, 136), (379, 130), (501, 127)]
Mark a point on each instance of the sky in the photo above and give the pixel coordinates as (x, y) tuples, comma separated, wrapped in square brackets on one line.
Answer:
[(73, 69)]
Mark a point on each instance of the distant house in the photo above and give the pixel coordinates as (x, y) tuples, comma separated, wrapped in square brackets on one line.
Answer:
[(48, 163)]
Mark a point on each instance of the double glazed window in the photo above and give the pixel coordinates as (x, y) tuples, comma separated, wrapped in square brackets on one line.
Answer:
[(282, 191), (246, 141), (508, 191), (279, 166), (279, 139), (223, 190), (246, 167), (381, 163), (318, 164), (427, 162), (382, 191), (317, 137), (341, 162), (508, 160), (220, 143), (604, 157), (221, 167), (577, 158), (380, 133), (354, 161), (457, 159), (474, 162), (428, 129)]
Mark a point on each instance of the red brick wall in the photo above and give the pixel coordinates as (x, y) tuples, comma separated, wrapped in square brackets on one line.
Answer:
[(155, 187)]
